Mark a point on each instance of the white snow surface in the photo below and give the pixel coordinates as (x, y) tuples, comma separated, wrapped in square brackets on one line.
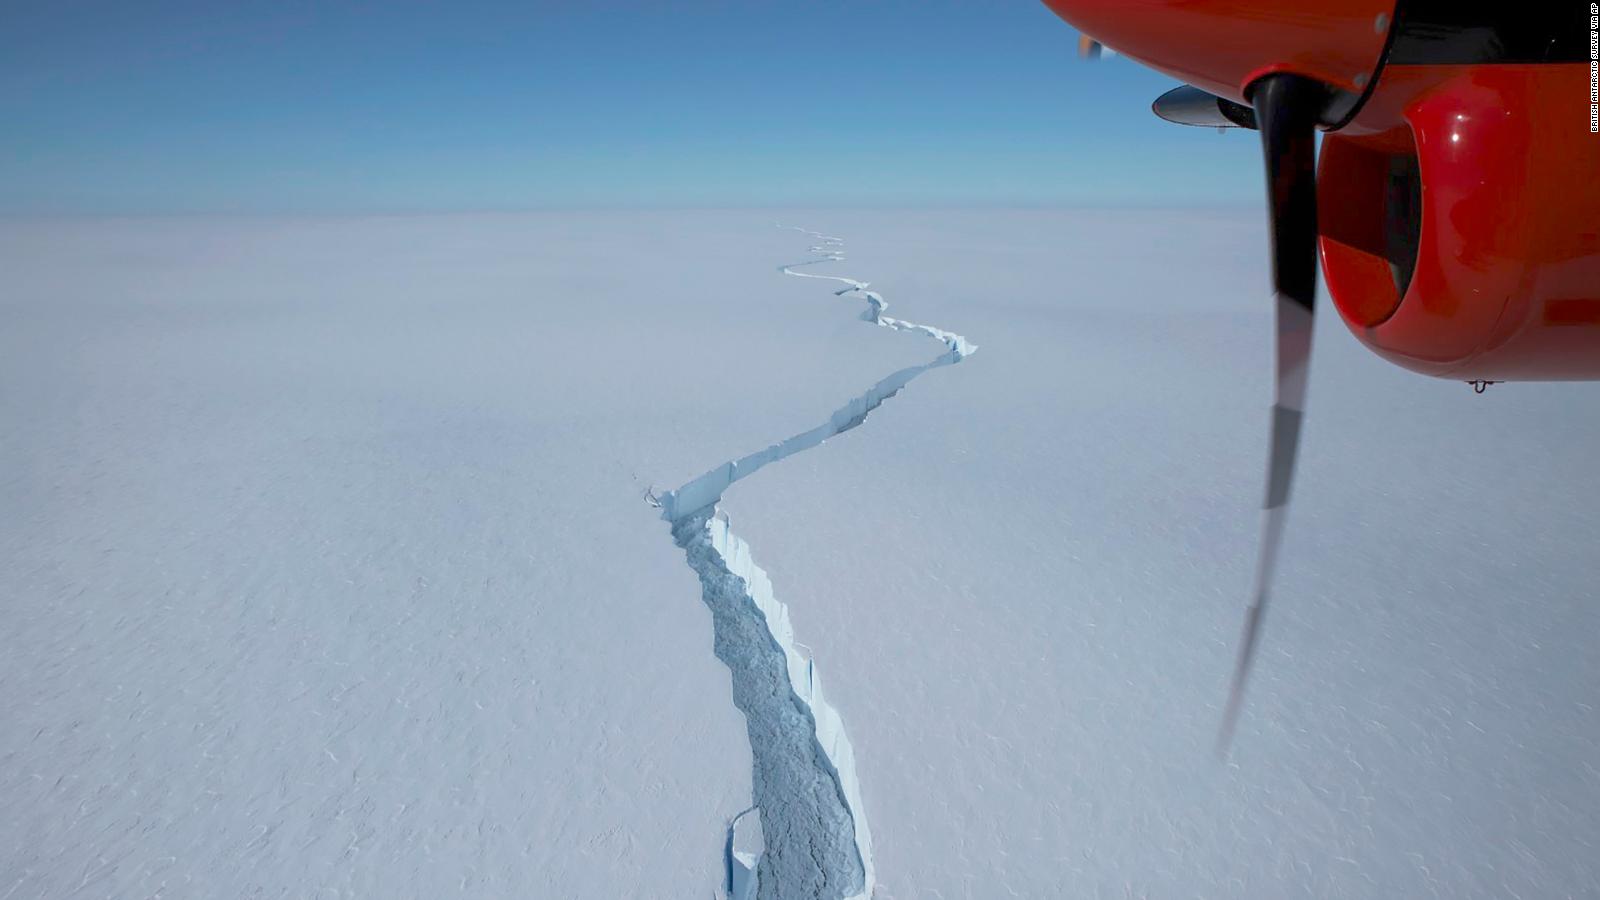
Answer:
[(324, 561), (1026, 575), (327, 570)]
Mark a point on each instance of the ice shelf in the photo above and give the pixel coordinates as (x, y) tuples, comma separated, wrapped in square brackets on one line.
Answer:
[(807, 833)]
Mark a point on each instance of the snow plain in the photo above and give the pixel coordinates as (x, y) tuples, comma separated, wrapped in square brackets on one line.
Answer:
[(1025, 579), (327, 570), (325, 563)]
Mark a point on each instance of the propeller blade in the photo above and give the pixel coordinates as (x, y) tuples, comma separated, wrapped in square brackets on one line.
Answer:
[(1287, 108), (1188, 105)]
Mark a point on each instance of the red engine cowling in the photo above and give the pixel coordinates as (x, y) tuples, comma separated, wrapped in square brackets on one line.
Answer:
[(1459, 186), (1222, 46), (1460, 221)]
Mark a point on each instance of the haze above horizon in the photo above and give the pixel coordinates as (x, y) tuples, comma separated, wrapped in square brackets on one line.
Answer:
[(297, 107)]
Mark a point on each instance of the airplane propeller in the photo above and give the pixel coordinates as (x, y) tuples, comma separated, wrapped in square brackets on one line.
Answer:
[(1286, 108), (1188, 105)]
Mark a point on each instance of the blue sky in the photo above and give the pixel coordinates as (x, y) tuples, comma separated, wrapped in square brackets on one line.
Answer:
[(119, 107)]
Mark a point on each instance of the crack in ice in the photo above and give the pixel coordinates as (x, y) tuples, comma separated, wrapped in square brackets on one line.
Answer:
[(806, 834)]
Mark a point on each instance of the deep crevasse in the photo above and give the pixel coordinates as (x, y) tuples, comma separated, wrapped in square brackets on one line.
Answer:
[(808, 836)]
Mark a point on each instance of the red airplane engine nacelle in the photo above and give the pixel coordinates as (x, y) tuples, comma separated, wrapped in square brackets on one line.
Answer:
[(1221, 46), (1460, 222), (1458, 189)]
